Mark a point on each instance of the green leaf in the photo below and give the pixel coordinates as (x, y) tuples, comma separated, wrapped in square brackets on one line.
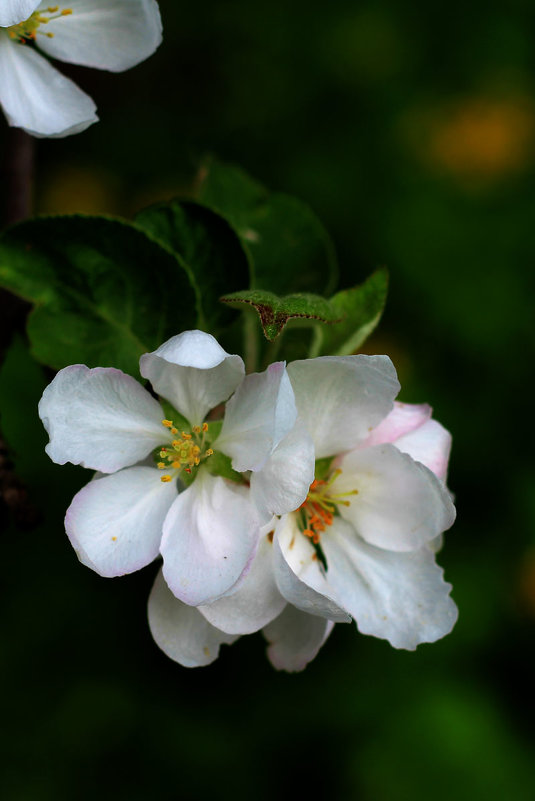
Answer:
[(289, 247), (360, 309), (219, 464), (104, 291), (209, 246), (274, 312)]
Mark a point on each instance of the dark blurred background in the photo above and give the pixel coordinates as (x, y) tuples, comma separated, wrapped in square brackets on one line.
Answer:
[(410, 129)]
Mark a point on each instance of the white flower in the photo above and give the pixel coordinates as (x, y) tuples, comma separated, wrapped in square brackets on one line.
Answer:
[(208, 532), (362, 545), (107, 34)]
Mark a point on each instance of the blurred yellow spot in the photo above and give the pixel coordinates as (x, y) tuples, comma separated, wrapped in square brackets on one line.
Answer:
[(482, 138)]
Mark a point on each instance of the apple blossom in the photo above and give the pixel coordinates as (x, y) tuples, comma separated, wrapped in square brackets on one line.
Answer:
[(361, 546), (107, 34), (205, 526)]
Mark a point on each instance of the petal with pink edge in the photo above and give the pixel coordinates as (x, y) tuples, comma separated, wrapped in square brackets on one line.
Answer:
[(193, 372), (115, 523), (341, 398), (295, 638), (404, 418), (100, 418), (399, 597), (431, 445), (180, 630), (259, 415), (209, 540), (399, 504), (254, 603)]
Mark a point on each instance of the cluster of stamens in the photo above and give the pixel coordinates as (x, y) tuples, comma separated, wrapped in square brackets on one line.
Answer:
[(28, 30), (319, 509), (186, 451)]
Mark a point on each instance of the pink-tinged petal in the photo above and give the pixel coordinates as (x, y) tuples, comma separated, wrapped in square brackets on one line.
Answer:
[(399, 597), (431, 445), (14, 11), (259, 415), (254, 603), (300, 577), (404, 418), (107, 34), (38, 98), (295, 638), (210, 536), (341, 398), (115, 523), (282, 484), (181, 631), (400, 505), (193, 372), (100, 418)]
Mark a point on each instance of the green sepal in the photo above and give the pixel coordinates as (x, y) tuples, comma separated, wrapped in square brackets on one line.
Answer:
[(360, 309), (219, 464), (179, 421), (323, 468), (274, 312)]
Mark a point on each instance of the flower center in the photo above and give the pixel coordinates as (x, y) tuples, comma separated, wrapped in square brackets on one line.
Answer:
[(27, 31), (186, 451), (321, 506)]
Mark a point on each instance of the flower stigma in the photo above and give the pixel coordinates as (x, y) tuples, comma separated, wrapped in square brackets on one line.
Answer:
[(27, 31), (186, 451)]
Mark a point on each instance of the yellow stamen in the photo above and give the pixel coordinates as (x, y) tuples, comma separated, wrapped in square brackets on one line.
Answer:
[(165, 479), (167, 423), (160, 465), (205, 427)]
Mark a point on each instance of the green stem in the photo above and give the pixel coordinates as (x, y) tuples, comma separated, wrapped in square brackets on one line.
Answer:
[(250, 342)]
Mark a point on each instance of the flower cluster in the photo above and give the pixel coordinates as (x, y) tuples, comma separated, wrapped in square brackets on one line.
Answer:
[(107, 34), (281, 501)]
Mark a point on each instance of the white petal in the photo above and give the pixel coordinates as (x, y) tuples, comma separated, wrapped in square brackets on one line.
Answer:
[(210, 537), (14, 11), (259, 415), (115, 523), (404, 418), (295, 638), (193, 372), (429, 444), (37, 98), (282, 484), (180, 630), (399, 597), (106, 34), (400, 505), (255, 603), (300, 577), (341, 398), (100, 418)]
